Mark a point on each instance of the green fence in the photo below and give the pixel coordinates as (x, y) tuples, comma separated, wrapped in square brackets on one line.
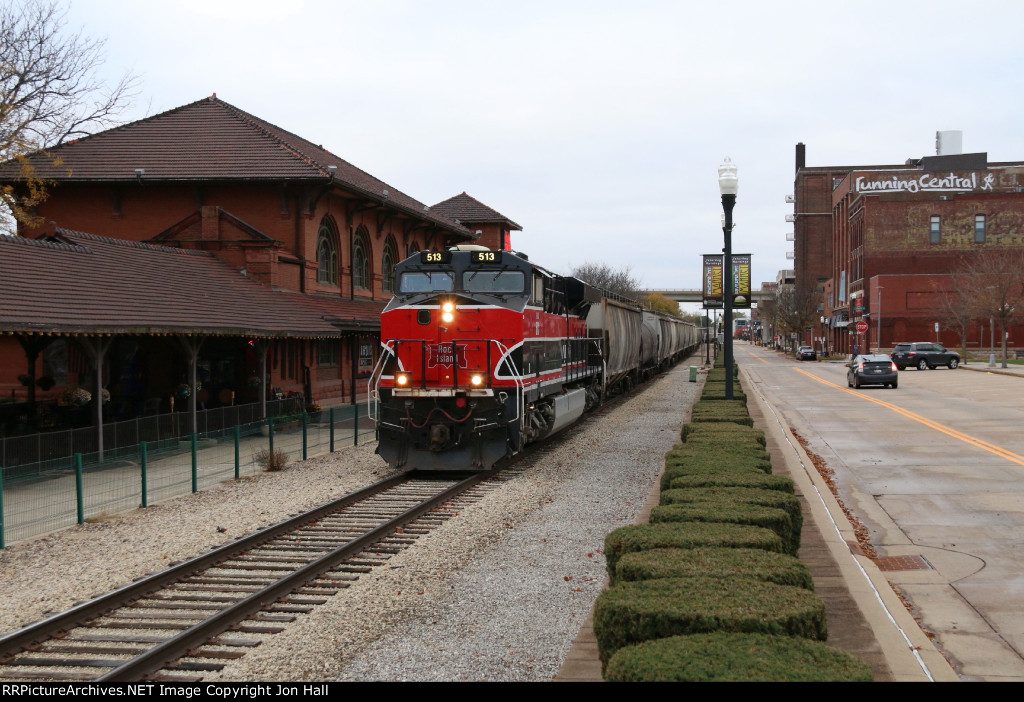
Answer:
[(40, 501)]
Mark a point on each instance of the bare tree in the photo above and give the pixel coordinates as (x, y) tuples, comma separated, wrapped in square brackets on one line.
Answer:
[(601, 275), (795, 309), (957, 310), (993, 282), (50, 92), (768, 314)]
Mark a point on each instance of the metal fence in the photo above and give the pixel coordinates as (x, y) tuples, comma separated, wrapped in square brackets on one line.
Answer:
[(36, 451), (52, 494)]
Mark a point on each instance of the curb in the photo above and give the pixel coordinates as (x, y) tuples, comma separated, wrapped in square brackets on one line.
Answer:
[(909, 653)]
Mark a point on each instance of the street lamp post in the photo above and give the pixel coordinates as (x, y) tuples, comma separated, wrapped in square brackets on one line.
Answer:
[(728, 184), (707, 340), (879, 311)]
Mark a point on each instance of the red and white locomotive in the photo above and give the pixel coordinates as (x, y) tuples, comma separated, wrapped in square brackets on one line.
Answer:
[(484, 352)]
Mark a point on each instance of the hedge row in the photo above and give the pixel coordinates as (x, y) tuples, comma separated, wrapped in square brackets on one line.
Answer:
[(710, 589)]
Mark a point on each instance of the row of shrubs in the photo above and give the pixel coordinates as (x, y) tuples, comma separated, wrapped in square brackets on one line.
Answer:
[(711, 589)]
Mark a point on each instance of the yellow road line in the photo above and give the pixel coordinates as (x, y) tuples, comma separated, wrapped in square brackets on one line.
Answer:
[(753, 355), (967, 438)]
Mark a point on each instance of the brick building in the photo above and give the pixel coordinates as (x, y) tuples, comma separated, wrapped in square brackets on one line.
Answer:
[(882, 242), (493, 229), (281, 210)]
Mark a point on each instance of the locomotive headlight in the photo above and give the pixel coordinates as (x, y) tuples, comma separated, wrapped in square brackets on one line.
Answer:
[(448, 312), (402, 379), (476, 379)]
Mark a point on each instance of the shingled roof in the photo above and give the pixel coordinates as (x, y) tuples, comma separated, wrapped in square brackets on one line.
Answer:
[(465, 208), (213, 140), (76, 283)]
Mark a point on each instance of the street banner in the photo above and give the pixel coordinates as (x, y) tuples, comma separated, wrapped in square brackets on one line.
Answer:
[(712, 281), (741, 281)]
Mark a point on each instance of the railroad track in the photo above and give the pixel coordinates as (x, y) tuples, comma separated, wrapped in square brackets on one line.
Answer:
[(192, 617)]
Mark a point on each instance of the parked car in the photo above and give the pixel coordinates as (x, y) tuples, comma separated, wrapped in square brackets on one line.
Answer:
[(806, 353), (923, 355), (872, 369)]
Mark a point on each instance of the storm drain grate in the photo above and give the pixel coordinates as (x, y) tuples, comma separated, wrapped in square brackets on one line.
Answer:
[(902, 563)]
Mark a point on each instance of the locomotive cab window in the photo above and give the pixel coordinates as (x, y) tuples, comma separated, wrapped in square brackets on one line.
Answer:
[(537, 294), (424, 282), (493, 281)]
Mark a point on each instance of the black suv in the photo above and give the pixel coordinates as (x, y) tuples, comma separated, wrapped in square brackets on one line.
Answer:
[(923, 355)]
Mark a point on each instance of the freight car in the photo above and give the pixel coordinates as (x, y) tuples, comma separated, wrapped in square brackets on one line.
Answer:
[(484, 351)]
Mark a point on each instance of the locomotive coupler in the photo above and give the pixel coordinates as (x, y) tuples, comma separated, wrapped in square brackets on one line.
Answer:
[(440, 435)]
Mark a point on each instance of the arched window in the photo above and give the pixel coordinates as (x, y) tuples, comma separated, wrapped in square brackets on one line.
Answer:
[(387, 264), (361, 259), (327, 253), (411, 249)]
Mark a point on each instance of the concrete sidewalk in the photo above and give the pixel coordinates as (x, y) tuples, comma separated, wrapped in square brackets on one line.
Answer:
[(1011, 369)]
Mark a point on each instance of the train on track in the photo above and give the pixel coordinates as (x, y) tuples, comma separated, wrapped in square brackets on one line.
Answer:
[(484, 352)]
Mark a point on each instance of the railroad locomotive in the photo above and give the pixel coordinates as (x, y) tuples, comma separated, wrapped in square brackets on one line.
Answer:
[(484, 351)]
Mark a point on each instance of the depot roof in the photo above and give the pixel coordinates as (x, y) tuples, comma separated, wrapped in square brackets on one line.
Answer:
[(70, 282), (211, 140)]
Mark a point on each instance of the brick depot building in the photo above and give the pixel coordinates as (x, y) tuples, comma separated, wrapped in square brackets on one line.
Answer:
[(882, 242), (313, 233)]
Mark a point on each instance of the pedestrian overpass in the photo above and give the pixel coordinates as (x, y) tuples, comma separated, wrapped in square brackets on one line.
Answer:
[(698, 295)]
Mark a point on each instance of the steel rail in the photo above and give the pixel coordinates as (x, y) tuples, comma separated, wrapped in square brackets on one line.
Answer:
[(178, 646), (17, 641)]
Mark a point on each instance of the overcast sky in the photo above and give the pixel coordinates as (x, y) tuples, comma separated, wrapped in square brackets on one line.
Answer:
[(597, 126)]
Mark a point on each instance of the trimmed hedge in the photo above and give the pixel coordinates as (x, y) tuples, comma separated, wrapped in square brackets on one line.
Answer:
[(707, 592), (723, 657), (633, 612), (732, 513), (752, 563), (644, 537), (697, 448), (722, 431), (747, 479), (733, 467), (717, 372), (767, 498), (721, 411), (715, 392)]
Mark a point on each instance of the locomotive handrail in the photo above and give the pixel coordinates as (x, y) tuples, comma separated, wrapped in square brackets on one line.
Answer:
[(372, 387), (506, 353), (569, 375)]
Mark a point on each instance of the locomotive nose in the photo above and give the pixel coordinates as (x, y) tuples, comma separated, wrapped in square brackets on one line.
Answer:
[(440, 435)]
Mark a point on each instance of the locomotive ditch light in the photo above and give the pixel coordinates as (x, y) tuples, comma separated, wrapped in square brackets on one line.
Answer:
[(477, 380), (402, 379)]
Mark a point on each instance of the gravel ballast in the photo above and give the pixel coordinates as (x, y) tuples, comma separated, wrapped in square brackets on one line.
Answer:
[(497, 593)]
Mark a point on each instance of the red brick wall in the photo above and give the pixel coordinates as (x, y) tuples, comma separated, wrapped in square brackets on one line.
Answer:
[(812, 246), (139, 212)]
